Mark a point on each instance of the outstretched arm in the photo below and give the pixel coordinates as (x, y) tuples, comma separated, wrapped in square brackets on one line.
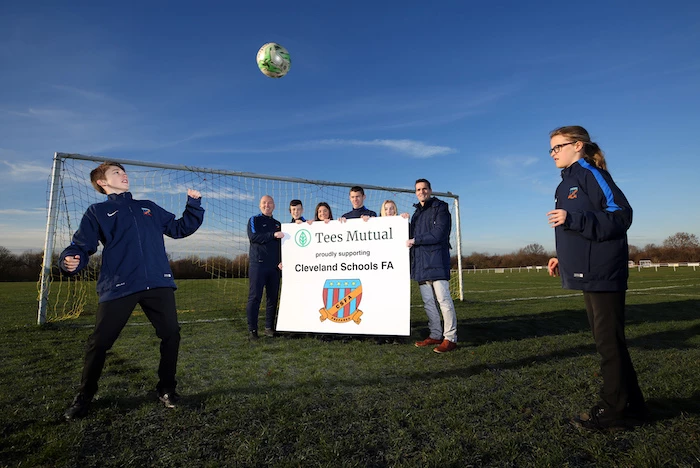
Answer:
[(191, 219)]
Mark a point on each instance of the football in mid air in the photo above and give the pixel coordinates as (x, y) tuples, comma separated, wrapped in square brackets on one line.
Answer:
[(273, 60)]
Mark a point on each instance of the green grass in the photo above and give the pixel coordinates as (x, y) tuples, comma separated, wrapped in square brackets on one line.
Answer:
[(525, 364)]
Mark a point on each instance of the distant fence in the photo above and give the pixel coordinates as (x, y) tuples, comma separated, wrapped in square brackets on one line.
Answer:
[(538, 268), (656, 266), (504, 270)]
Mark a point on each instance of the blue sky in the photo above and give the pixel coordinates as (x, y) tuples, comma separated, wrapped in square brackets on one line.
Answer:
[(462, 93)]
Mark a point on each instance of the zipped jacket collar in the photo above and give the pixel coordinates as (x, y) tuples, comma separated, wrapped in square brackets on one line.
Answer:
[(124, 196)]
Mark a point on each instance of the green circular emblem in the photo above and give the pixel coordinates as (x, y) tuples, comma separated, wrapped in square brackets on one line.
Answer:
[(302, 238)]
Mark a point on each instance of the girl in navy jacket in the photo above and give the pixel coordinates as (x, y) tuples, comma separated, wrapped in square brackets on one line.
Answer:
[(591, 219)]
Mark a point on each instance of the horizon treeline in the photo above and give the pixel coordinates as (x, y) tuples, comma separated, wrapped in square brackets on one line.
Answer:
[(680, 247)]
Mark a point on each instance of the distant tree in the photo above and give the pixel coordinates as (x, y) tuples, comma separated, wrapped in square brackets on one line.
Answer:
[(27, 266), (533, 249), (681, 240), (478, 260), (239, 267), (531, 254), (8, 262)]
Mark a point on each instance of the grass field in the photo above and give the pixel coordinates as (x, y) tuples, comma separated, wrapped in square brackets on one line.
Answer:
[(525, 364)]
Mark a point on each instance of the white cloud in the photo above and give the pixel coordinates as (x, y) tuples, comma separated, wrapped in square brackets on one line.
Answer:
[(415, 149), (25, 171), (412, 148), (514, 162), (29, 212), (22, 239), (206, 243)]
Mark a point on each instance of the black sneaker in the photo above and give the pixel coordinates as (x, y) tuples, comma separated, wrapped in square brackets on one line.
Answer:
[(599, 420), (78, 409), (253, 335), (169, 398), (269, 332)]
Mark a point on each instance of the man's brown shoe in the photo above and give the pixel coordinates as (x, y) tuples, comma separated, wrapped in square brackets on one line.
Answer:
[(427, 342), (445, 347)]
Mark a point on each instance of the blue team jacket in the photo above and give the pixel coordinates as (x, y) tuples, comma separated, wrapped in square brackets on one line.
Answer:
[(359, 212), (265, 249), (592, 243), (131, 233), (430, 229)]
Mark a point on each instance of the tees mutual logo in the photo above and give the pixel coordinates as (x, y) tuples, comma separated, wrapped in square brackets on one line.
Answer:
[(302, 238), (342, 299)]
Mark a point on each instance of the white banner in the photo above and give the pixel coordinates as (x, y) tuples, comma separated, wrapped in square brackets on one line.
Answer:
[(350, 278)]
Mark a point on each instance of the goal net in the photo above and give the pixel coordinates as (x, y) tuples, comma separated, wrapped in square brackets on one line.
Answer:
[(211, 266)]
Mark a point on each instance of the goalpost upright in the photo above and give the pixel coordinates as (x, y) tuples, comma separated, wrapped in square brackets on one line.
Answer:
[(231, 198), (51, 217)]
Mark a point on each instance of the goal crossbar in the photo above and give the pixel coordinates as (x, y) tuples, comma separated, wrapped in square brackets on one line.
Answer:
[(231, 198)]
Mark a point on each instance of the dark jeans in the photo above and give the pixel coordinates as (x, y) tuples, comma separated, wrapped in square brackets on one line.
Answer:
[(267, 277), (606, 316), (159, 306)]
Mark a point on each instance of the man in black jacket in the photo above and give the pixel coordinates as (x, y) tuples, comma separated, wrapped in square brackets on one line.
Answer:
[(430, 265)]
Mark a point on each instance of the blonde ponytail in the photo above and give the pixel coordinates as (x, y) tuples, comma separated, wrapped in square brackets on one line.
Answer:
[(595, 156)]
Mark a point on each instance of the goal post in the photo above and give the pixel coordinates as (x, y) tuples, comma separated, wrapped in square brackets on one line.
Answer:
[(210, 267)]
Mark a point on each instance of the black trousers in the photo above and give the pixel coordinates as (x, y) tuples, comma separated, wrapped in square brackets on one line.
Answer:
[(267, 277), (159, 306), (606, 316)]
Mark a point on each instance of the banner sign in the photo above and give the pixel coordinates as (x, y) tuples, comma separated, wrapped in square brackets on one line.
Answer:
[(349, 278)]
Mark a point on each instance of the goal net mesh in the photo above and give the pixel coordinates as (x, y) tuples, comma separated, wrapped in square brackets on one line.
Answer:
[(210, 266)]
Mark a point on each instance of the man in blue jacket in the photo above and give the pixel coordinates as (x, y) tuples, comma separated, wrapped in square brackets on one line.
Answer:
[(135, 270), (265, 257), (429, 241)]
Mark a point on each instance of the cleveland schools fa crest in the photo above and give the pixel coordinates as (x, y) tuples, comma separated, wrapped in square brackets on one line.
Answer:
[(342, 299)]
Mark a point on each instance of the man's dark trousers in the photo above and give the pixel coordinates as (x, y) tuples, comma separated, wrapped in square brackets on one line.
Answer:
[(267, 277)]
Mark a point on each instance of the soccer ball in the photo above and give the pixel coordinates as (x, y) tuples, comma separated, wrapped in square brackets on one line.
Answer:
[(273, 60)]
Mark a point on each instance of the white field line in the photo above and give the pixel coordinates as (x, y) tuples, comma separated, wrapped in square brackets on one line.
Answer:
[(485, 291), (141, 324), (630, 291)]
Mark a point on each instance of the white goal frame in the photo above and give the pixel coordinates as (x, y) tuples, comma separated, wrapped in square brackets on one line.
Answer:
[(282, 189)]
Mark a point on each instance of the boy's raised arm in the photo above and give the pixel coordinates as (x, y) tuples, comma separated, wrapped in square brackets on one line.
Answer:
[(191, 219)]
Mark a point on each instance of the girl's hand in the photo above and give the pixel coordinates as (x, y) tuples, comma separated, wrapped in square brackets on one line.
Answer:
[(556, 217)]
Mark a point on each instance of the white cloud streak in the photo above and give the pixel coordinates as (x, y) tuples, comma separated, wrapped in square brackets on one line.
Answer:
[(416, 149), (30, 212), (514, 162), (26, 171), (412, 148)]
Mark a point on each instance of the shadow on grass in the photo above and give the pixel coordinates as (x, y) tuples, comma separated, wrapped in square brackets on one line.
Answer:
[(479, 331), (671, 408)]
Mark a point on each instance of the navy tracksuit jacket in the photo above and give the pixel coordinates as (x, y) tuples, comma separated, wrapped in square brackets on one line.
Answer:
[(131, 232), (592, 243)]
